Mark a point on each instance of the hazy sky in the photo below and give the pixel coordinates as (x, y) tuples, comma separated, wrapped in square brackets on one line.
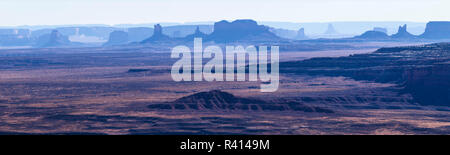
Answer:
[(55, 12)]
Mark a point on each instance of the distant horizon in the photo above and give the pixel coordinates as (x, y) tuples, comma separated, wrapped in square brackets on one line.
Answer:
[(312, 28), (165, 24)]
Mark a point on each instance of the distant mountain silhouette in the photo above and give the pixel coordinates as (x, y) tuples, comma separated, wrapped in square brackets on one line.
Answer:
[(117, 38), (249, 31), (403, 33), (373, 35), (434, 30), (380, 34), (101, 32), (437, 30), (241, 30), (157, 36), (54, 39), (219, 100), (181, 31), (224, 31)]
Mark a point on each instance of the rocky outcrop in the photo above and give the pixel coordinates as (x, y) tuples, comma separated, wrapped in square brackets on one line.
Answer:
[(402, 33), (157, 36), (218, 100), (429, 85), (381, 34), (437, 30), (301, 34), (241, 30), (421, 71), (117, 38), (54, 39)]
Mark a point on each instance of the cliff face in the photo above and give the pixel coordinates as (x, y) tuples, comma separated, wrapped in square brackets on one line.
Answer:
[(437, 30), (117, 38), (422, 71), (429, 85), (240, 30)]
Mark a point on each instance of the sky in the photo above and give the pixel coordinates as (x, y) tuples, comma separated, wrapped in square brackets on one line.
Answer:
[(110, 12)]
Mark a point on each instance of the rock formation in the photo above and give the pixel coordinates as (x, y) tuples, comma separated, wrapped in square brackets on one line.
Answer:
[(54, 39), (301, 34), (437, 30), (429, 85), (157, 36), (218, 100), (422, 71), (403, 33), (373, 35), (181, 31), (241, 30), (117, 38)]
